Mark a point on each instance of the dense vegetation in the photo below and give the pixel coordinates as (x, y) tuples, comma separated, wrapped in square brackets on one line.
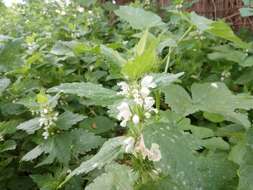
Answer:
[(96, 96)]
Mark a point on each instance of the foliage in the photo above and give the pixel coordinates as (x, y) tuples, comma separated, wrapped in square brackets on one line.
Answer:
[(100, 96)]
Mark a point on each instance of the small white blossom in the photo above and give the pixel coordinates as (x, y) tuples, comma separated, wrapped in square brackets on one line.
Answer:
[(124, 113), (155, 153), (147, 82), (214, 85), (129, 144), (80, 9), (145, 91), (45, 134), (149, 102), (136, 119)]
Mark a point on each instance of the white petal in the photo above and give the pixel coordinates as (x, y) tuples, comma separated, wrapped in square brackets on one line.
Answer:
[(147, 81), (145, 91), (136, 119)]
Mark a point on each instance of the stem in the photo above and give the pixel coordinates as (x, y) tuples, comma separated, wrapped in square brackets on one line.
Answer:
[(171, 49)]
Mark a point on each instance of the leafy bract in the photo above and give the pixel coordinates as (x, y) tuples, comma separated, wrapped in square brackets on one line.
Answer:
[(138, 18)]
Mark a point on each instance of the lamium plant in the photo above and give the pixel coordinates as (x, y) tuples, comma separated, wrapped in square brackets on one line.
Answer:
[(99, 96)]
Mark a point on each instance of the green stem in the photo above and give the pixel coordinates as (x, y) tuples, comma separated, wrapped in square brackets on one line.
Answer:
[(171, 49)]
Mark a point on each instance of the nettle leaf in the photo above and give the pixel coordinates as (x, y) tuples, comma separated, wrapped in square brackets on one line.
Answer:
[(8, 127), (7, 145), (10, 55), (116, 176), (202, 23), (33, 154), (45, 182), (212, 98), (108, 152), (30, 126), (58, 147), (4, 83), (138, 18), (245, 160), (68, 48), (68, 119), (98, 124), (95, 92), (84, 141), (165, 79), (186, 167), (112, 55), (223, 30)]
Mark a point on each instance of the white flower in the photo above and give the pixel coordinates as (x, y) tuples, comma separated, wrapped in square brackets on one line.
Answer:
[(214, 85), (138, 101), (155, 153), (136, 119), (147, 82), (145, 91), (124, 113), (149, 102), (45, 134), (80, 9), (129, 144)]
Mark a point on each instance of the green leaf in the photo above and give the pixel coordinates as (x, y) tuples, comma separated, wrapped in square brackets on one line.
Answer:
[(33, 154), (202, 23), (8, 145), (113, 55), (98, 124), (246, 11), (213, 117), (165, 79), (248, 62), (45, 182), (58, 147), (245, 160), (84, 141), (180, 160), (68, 119), (142, 63), (108, 152), (95, 92), (179, 100), (10, 55), (215, 143), (116, 176), (4, 83), (30, 126), (223, 30), (138, 18), (68, 48), (213, 98)]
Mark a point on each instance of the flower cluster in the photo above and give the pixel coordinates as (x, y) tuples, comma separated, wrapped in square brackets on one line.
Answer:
[(47, 119), (139, 96), (153, 154)]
